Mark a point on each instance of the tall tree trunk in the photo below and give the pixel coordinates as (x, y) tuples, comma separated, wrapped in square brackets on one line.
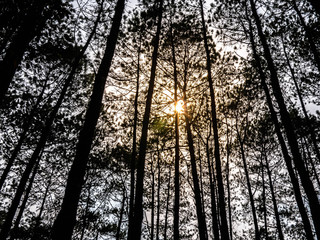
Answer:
[(84, 222), (289, 129), (214, 218), (304, 110), (286, 156), (177, 147), (43, 138), (228, 180), (121, 214), (66, 219), (38, 218), (167, 207), (264, 201), (25, 128), (134, 146), (245, 167), (158, 195), (138, 208), (309, 157), (26, 197), (274, 201), (200, 214), (222, 204), (31, 26), (152, 201)]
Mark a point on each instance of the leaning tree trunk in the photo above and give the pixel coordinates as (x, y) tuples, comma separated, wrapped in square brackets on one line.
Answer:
[(31, 26), (138, 208), (25, 128), (66, 219), (274, 201), (42, 141), (26, 197), (286, 156), (222, 206), (303, 107), (288, 127)]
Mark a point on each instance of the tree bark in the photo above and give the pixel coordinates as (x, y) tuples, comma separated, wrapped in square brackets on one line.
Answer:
[(304, 110), (138, 208), (158, 194), (222, 205), (228, 181), (66, 219), (121, 214), (152, 201), (245, 167), (203, 235), (167, 207), (25, 198), (274, 201), (264, 202), (31, 26), (25, 128), (289, 129), (134, 147), (286, 156), (177, 147)]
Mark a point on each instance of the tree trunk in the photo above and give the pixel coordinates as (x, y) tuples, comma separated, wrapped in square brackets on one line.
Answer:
[(289, 129), (38, 218), (304, 110), (138, 209), (215, 226), (286, 156), (25, 198), (121, 215), (253, 208), (275, 207), (152, 201), (177, 147), (158, 195), (222, 206), (264, 202), (43, 138), (200, 214), (25, 129), (167, 207), (31, 26), (134, 147), (66, 219), (228, 180)]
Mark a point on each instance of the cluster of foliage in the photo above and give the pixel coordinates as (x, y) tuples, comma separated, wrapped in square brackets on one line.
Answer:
[(94, 145)]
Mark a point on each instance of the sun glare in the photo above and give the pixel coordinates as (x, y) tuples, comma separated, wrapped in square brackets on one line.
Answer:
[(179, 106)]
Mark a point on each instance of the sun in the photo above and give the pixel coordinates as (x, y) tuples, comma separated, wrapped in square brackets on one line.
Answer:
[(179, 106)]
